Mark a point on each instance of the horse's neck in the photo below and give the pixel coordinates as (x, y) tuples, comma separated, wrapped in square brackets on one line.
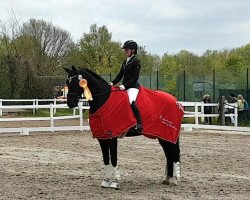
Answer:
[(100, 92)]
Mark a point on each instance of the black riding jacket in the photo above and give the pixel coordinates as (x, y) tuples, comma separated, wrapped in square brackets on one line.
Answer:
[(130, 72)]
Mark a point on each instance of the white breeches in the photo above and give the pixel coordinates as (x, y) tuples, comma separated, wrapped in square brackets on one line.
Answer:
[(132, 94)]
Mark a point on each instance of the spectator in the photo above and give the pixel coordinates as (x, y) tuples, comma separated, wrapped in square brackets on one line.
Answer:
[(246, 110), (232, 99), (207, 109), (241, 110), (226, 110)]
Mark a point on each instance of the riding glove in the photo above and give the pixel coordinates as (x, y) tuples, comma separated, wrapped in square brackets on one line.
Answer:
[(122, 87)]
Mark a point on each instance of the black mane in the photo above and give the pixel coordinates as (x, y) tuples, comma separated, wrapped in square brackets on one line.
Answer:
[(97, 76)]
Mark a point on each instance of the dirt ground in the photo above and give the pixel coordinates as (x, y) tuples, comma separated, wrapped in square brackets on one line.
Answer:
[(68, 165)]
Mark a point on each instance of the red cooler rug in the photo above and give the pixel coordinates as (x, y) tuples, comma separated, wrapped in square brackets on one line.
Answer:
[(160, 111)]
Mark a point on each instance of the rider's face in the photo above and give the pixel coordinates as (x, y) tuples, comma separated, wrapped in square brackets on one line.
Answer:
[(128, 52)]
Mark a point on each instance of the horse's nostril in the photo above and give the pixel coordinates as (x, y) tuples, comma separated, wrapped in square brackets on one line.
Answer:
[(69, 105), (72, 104)]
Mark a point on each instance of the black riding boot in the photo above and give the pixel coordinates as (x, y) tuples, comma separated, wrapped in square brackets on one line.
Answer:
[(137, 115)]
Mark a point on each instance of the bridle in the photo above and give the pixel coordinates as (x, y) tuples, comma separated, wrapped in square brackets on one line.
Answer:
[(79, 96)]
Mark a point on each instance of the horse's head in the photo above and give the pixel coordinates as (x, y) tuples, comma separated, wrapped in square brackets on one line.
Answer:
[(87, 81), (74, 90)]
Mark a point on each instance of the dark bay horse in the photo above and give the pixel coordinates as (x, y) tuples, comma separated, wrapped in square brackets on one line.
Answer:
[(101, 92)]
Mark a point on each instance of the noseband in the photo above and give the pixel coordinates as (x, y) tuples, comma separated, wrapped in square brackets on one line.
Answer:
[(75, 96)]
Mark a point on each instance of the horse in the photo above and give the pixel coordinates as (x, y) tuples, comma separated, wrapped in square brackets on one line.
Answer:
[(84, 80)]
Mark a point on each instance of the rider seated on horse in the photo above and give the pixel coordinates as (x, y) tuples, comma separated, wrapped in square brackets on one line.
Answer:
[(130, 71)]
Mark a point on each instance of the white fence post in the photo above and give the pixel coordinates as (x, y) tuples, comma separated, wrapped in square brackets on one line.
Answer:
[(55, 106), (37, 103), (80, 112), (34, 104), (51, 115), (236, 114), (1, 109), (196, 113), (202, 112)]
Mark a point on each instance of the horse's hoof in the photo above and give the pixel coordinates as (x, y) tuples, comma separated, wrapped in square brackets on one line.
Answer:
[(165, 182), (115, 184), (174, 181), (170, 180), (106, 183)]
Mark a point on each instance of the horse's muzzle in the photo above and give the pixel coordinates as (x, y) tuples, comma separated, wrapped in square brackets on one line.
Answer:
[(72, 100)]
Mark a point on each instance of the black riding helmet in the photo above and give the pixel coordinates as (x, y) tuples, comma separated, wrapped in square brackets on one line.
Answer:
[(130, 44)]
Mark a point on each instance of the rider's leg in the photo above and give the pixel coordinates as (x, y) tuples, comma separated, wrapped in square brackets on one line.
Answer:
[(132, 95)]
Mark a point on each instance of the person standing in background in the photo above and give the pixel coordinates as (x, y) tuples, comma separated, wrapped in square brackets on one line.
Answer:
[(207, 109), (241, 110)]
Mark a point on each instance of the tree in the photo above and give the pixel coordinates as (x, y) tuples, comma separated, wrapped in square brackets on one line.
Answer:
[(97, 51), (50, 44), (149, 62), (170, 69), (36, 47)]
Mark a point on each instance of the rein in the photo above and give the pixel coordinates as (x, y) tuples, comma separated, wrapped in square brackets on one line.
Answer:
[(96, 95), (106, 93)]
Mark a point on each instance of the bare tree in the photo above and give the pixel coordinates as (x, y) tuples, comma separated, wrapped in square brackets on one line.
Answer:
[(51, 45), (31, 49)]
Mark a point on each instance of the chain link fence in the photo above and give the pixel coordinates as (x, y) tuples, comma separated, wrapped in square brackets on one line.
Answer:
[(216, 83), (189, 87)]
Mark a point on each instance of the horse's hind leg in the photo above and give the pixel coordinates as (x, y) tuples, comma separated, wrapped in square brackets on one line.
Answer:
[(172, 153)]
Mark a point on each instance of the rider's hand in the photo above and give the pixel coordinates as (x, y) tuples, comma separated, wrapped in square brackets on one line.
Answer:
[(122, 87), (110, 83)]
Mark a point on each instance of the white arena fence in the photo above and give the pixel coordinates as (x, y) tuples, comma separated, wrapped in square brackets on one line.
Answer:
[(197, 114)]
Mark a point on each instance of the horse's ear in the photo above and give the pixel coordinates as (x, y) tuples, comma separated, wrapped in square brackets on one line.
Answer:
[(74, 69), (66, 69)]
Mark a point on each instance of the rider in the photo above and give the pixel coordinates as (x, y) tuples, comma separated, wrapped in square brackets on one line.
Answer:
[(130, 71)]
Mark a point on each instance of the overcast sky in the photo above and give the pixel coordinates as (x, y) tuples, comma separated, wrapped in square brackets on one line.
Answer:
[(160, 25)]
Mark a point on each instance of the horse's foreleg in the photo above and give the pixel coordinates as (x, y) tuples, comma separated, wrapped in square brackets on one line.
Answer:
[(116, 174), (172, 153), (105, 151), (106, 159), (113, 151), (109, 152)]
